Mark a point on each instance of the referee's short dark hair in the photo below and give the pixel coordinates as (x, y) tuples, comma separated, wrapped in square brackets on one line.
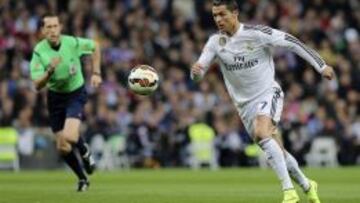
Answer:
[(42, 23), (230, 4)]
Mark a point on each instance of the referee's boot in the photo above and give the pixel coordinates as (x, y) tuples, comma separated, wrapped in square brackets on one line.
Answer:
[(89, 162), (83, 185)]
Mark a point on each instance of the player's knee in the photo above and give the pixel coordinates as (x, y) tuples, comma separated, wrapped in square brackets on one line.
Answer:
[(262, 128), (260, 133)]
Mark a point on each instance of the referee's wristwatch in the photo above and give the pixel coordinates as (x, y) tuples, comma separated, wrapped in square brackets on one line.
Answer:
[(96, 73)]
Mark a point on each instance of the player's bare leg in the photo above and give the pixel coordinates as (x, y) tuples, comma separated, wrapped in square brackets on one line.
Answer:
[(262, 132), (309, 186), (72, 135)]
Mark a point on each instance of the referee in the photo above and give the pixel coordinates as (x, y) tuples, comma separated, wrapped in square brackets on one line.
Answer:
[(56, 64)]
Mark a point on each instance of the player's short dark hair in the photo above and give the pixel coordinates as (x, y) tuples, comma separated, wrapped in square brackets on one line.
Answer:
[(46, 15), (230, 4)]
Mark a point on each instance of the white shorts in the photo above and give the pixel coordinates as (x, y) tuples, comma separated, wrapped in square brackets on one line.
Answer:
[(270, 103)]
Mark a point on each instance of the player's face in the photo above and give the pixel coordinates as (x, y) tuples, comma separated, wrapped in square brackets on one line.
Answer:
[(224, 18), (51, 29)]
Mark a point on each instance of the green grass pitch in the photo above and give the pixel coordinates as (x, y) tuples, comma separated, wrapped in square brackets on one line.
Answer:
[(249, 185)]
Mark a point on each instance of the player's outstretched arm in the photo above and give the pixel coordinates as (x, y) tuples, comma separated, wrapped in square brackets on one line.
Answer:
[(40, 82), (328, 73), (199, 69), (197, 72), (96, 72), (277, 38)]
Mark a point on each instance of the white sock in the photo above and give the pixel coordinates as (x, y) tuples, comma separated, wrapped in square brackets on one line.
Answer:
[(295, 172), (276, 160)]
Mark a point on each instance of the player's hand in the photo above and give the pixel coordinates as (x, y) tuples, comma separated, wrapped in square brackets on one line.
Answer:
[(197, 71), (95, 80), (328, 73)]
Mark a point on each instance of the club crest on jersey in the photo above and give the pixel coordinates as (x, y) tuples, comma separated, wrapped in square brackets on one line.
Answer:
[(222, 41), (249, 46)]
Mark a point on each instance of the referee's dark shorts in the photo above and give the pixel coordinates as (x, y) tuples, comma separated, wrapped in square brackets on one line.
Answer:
[(65, 105)]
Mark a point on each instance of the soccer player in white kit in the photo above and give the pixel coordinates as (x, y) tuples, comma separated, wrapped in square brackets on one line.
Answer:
[(245, 57)]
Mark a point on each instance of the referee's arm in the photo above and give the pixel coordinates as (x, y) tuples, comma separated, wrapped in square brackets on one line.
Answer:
[(96, 57), (96, 79), (38, 74), (89, 46)]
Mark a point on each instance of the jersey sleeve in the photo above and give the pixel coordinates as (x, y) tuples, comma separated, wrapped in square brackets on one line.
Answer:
[(37, 69), (207, 55), (85, 46), (277, 38)]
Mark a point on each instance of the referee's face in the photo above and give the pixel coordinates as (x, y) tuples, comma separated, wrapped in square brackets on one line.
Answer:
[(224, 18), (51, 29)]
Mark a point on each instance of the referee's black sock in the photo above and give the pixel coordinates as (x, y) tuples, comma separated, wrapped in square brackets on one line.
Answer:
[(82, 147), (74, 164)]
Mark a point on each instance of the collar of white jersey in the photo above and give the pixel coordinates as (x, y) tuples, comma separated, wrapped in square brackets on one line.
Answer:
[(236, 33)]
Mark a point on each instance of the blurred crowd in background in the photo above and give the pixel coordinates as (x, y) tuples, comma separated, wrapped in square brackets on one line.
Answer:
[(169, 35)]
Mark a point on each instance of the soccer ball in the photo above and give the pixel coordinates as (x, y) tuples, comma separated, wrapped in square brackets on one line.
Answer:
[(143, 80)]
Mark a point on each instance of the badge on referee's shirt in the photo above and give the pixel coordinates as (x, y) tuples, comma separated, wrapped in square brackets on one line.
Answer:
[(72, 70)]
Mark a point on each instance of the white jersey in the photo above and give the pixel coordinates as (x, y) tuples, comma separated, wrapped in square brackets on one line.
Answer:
[(246, 59)]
